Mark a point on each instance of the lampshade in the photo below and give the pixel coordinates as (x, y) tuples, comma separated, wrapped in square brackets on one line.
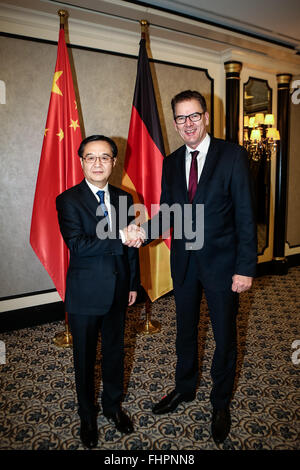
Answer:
[(271, 133), (246, 121), (246, 135), (259, 118), (255, 135), (269, 120), (277, 135), (252, 122)]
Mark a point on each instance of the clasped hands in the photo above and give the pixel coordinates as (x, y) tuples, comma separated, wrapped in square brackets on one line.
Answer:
[(134, 236)]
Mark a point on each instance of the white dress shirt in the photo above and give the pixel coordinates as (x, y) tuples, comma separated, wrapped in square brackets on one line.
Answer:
[(202, 149), (95, 189)]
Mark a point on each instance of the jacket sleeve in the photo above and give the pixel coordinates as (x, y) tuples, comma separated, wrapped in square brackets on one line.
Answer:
[(160, 224), (245, 225), (77, 240), (133, 259)]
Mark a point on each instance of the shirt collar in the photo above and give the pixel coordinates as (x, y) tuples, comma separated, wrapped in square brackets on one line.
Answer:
[(202, 147), (95, 189)]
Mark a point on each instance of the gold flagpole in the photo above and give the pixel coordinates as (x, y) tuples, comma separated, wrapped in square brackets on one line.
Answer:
[(63, 339), (147, 327), (144, 28)]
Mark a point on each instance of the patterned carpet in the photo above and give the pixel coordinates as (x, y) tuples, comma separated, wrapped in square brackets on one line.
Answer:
[(37, 392)]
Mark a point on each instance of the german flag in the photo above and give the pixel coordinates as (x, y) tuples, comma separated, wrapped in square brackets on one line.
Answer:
[(142, 175)]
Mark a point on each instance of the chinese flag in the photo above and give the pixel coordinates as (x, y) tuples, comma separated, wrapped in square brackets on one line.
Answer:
[(142, 175), (59, 169)]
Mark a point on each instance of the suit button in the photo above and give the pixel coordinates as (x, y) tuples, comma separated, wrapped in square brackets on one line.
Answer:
[(116, 272)]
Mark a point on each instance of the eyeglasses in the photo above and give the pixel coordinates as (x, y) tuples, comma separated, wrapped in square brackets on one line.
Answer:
[(193, 117), (91, 158)]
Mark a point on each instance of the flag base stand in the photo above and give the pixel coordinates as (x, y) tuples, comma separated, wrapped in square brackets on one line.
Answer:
[(148, 327), (64, 339)]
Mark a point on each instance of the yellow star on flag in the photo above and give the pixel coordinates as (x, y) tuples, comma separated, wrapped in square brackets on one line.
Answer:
[(55, 88), (74, 124), (45, 133), (75, 104), (61, 135)]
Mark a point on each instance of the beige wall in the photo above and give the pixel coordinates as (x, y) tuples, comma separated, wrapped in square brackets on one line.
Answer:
[(105, 92)]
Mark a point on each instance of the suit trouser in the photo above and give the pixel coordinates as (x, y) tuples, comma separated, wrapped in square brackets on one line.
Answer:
[(85, 330), (223, 308)]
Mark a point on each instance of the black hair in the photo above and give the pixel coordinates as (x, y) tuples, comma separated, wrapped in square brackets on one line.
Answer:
[(93, 138), (188, 95)]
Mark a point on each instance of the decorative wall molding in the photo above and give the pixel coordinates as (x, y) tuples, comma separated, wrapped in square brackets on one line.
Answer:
[(173, 38), (291, 250), (261, 62)]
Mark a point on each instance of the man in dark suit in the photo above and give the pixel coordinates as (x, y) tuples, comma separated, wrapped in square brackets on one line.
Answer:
[(102, 279), (213, 173)]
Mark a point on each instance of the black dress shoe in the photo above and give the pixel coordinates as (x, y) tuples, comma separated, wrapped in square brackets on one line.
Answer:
[(170, 402), (89, 433), (220, 425), (122, 422)]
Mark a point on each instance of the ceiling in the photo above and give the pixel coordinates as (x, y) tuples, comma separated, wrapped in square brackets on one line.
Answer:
[(264, 32), (275, 20)]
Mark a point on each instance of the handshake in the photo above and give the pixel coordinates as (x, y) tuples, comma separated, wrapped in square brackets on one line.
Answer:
[(134, 236)]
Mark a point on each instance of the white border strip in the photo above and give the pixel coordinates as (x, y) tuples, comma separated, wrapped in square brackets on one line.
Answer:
[(29, 301)]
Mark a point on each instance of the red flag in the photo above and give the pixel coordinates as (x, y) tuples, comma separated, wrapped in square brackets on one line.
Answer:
[(142, 174), (59, 169)]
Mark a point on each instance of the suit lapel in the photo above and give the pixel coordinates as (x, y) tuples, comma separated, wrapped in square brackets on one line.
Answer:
[(114, 203), (88, 198), (209, 166), (181, 172)]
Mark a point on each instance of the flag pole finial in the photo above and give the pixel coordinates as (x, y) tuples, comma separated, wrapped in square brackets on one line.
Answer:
[(144, 28), (63, 15)]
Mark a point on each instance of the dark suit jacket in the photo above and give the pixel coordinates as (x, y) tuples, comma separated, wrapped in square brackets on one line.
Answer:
[(225, 189), (101, 271)]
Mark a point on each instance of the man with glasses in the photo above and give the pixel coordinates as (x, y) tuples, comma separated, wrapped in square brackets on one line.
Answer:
[(214, 173), (102, 280)]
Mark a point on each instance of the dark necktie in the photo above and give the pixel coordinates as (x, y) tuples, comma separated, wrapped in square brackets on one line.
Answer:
[(102, 203), (193, 178)]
